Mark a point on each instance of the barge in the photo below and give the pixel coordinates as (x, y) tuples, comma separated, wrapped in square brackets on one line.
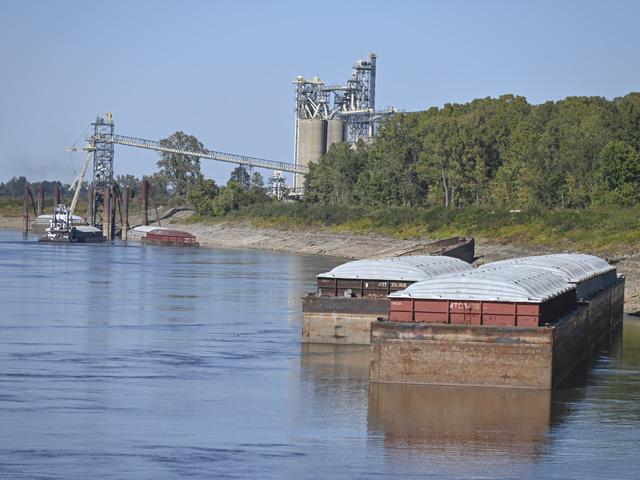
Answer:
[(523, 323), (457, 247), (353, 295), (153, 235)]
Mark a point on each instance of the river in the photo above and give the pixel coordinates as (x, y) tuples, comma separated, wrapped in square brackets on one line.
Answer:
[(133, 362)]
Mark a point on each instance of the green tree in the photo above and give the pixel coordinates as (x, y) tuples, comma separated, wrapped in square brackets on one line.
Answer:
[(201, 196), (332, 180), (241, 176), (619, 173), (257, 181), (180, 171)]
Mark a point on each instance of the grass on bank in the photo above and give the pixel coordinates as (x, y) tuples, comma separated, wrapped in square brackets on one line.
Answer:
[(597, 229)]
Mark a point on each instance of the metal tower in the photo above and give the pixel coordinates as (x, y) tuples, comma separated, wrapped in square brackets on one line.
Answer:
[(103, 154), (356, 103), (102, 168)]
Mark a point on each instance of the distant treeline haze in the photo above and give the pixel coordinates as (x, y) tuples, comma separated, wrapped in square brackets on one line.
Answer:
[(574, 153)]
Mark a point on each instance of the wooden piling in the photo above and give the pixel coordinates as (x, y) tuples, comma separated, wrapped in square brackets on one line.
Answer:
[(112, 212), (125, 214), (106, 213), (145, 202), (40, 201), (56, 196), (90, 209), (25, 209)]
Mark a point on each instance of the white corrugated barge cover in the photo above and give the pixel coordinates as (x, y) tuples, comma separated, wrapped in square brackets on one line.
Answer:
[(140, 232), (87, 229), (46, 219), (518, 284), (411, 268), (587, 272)]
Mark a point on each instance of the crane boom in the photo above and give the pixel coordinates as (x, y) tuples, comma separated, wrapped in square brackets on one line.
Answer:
[(209, 154)]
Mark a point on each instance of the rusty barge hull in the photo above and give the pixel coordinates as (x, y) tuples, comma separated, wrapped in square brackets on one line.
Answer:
[(341, 320), (497, 356)]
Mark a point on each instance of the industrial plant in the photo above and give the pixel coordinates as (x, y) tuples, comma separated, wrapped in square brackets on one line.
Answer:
[(325, 114), (328, 114)]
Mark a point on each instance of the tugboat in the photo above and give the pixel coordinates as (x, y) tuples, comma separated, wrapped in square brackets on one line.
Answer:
[(62, 230)]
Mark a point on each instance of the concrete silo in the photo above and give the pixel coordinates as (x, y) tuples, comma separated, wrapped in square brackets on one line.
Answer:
[(335, 132), (310, 144)]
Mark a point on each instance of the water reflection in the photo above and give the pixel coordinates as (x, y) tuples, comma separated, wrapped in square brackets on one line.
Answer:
[(512, 424), (470, 419), (336, 374)]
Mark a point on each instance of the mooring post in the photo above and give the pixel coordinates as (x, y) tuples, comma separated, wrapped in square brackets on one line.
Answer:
[(40, 202), (90, 207), (25, 209), (125, 214), (112, 217), (145, 202), (106, 213), (56, 197)]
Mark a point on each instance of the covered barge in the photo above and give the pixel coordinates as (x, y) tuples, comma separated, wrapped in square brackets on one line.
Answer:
[(353, 295), (154, 235), (524, 323)]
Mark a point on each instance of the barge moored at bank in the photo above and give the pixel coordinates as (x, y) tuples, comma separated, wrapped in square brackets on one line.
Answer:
[(525, 323), (155, 235), (353, 295)]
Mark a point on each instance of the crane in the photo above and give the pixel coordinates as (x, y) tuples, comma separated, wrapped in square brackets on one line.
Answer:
[(77, 183), (100, 146)]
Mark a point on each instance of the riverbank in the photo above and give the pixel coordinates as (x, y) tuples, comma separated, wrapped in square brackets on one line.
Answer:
[(310, 241)]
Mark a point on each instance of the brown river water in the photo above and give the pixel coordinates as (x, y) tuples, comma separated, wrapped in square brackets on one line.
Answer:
[(132, 362)]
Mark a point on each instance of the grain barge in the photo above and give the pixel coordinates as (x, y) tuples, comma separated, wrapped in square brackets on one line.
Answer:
[(154, 235), (352, 295), (523, 323)]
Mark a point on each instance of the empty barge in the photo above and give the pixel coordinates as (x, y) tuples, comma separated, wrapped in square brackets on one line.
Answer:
[(353, 295), (524, 323), (457, 247)]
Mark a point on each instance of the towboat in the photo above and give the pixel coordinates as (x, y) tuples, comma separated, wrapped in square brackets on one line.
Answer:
[(62, 230)]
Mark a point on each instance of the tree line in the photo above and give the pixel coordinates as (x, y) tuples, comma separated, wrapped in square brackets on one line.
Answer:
[(505, 152), (575, 153)]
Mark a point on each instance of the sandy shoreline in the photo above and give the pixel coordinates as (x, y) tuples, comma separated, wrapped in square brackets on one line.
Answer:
[(322, 242)]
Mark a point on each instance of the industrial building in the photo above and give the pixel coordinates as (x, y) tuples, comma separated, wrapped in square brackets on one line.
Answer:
[(328, 114)]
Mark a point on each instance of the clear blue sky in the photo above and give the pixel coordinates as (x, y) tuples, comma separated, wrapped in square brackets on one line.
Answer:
[(222, 71)]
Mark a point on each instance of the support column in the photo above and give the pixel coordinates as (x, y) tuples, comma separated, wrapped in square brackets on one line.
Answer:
[(145, 202), (106, 213)]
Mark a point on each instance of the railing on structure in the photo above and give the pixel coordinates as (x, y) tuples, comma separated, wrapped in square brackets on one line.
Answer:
[(208, 154)]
